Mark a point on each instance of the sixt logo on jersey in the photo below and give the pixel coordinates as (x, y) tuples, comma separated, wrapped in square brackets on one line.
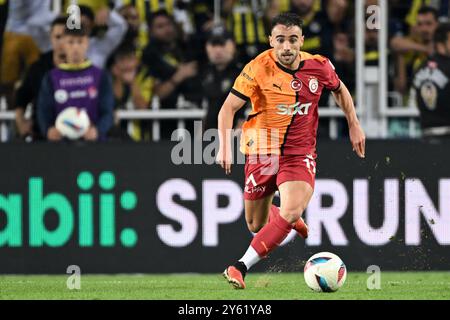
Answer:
[(291, 110)]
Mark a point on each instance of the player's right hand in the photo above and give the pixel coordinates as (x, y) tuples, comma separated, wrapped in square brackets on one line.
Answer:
[(224, 160)]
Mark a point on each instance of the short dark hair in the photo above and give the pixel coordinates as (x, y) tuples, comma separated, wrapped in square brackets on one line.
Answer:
[(428, 9), (59, 21), (157, 14), (76, 32), (87, 12), (287, 19), (442, 32), (123, 51)]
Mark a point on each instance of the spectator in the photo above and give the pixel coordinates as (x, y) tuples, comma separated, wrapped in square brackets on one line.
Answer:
[(337, 14), (29, 89), (131, 16), (413, 50), (102, 46), (124, 75), (177, 9), (170, 61), (317, 39), (18, 54), (343, 57), (218, 76), (420, 43), (432, 86), (79, 84), (33, 18), (427, 23), (247, 21)]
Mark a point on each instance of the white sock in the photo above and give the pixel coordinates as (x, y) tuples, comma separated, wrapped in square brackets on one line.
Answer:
[(250, 258)]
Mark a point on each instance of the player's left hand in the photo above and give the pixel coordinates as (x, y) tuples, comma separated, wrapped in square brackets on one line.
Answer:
[(358, 140)]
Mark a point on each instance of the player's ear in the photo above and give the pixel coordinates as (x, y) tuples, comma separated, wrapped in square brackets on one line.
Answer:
[(302, 40), (270, 41)]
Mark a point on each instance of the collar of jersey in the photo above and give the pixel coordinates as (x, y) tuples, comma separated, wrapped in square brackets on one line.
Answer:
[(290, 71), (75, 67)]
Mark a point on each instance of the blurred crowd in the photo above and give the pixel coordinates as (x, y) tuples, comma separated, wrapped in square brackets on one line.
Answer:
[(170, 54)]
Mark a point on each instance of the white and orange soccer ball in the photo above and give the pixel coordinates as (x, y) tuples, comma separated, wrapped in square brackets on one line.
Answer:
[(73, 123), (325, 272)]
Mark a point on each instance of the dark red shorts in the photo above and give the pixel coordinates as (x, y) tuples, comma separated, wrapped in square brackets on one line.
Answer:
[(264, 173)]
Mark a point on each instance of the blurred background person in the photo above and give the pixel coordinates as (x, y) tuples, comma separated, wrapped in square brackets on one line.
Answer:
[(414, 47), (77, 83), (33, 18), (29, 89), (19, 52), (102, 45), (131, 16), (432, 86), (218, 75), (246, 20), (177, 9), (170, 60), (126, 88)]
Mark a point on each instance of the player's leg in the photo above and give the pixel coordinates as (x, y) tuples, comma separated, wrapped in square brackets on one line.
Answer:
[(295, 196), (261, 211), (300, 226), (257, 212), (260, 187), (256, 215)]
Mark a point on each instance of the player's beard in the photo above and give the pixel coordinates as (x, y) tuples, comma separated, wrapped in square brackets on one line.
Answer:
[(287, 60)]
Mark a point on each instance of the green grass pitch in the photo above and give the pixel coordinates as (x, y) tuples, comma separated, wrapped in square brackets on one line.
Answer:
[(285, 286)]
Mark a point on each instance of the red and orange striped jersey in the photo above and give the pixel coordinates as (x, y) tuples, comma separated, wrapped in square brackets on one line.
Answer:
[(284, 115)]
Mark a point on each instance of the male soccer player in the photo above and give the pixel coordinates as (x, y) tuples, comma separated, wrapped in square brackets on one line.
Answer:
[(284, 86)]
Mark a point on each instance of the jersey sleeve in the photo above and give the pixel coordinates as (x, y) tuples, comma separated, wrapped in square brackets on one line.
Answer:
[(330, 79), (245, 85)]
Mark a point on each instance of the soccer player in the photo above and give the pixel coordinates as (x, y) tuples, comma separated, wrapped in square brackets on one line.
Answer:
[(284, 86)]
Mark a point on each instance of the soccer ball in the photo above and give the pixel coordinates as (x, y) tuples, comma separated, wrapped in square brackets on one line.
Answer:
[(325, 272), (73, 123)]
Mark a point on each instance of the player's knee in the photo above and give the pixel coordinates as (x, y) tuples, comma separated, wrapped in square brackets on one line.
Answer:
[(254, 226), (292, 215)]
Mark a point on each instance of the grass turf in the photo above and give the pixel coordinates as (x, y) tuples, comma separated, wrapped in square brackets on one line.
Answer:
[(288, 286)]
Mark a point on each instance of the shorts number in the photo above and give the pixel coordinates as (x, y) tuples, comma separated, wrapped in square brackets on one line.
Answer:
[(311, 165)]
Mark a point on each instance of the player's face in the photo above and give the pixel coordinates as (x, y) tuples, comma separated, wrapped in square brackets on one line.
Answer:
[(287, 42), (76, 48)]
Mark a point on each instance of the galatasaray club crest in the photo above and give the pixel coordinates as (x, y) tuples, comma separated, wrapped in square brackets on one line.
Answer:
[(296, 84), (313, 85)]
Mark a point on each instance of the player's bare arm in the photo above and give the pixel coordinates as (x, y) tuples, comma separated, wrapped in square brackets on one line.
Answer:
[(357, 137), (225, 120)]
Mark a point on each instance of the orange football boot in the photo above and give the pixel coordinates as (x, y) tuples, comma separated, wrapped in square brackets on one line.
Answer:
[(234, 276)]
